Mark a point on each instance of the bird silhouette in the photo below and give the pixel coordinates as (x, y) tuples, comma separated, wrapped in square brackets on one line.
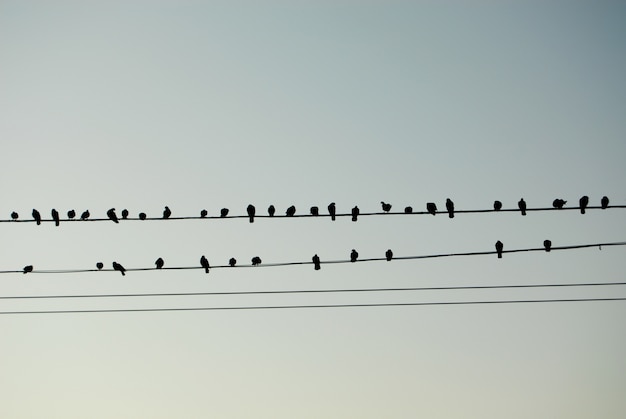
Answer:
[(316, 262), (71, 214), (124, 214), (27, 269), (431, 207), (99, 265), (118, 267), (112, 215), (142, 216), (558, 203), (583, 202), (354, 255), (167, 212), (159, 263), (389, 255), (14, 215), (408, 210), (37, 216), (205, 264), (204, 213), (355, 213), (386, 207), (271, 210), (256, 261), (547, 244), (232, 261), (522, 206), (55, 217), (604, 202), (315, 211), (497, 205), (499, 247), (332, 210), (251, 211), (85, 215), (450, 208), (291, 211), (223, 212)]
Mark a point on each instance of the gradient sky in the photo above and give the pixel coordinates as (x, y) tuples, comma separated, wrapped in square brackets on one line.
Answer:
[(200, 104)]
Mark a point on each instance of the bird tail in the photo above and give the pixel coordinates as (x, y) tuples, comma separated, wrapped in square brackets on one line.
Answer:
[(206, 270), (451, 215), (582, 210), (123, 273), (252, 218), (499, 255)]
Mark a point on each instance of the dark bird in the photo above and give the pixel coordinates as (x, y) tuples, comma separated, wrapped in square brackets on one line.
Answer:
[(291, 211), (232, 261), (55, 217), (315, 211), (354, 255), (332, 210), (499, 247), (223, 212), (251, 211), (355, 213), (14, 215), (522, 206), (450, 207), (85, 215), (389, 255), (159, 263), (37, 216), (558, 203), (99, 265), (27, 269), (271, 210), (124, 214), (431, 207), (547, 244), (204, 213), (316, 262), (408, 210), (583, 202), (142, 216), (205, 264), (386, 207), (604, 202), (118, 267), (71, 214), (112, 215), (256, 261), (167, 212), (497, 205)]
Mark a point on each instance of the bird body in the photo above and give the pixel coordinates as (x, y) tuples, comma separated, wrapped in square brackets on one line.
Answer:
[(118, 267), (271, 210), (55, 216), (431, 207), (315, 211), (558, 203), (14, 215), (583, 202), (232, 262), (251, 212), (159, 263), (332, 210), (167, 212), (142, 216), (386, 206), (547, 244), (604, 202), (355, 213), (497, 205), (354, 255), (316, 262), (291, 211), (203, 213), (37, 216), (112, 215), (256, 261), (389, 255), (408, 210), (27, 269), (205, 264), (450, 207), (99, 265), (499, 247), (71, 214), (85, 215), (223, 212), (124, 214), (522, 206)]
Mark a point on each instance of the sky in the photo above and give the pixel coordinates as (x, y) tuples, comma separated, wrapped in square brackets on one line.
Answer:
[(210, 104)]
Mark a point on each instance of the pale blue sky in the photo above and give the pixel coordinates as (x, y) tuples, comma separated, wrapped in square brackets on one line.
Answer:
[(196, 104)]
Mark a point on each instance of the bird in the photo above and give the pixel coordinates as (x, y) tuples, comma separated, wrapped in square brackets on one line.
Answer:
[(604, 202), (118, 267), (389, 255), (14, 215), (223, 212), (431, 207), (583, 202), (55, 216), (232, 261), (522, 206), (386, 206), (112, 215), (316, 262), (497, 205), (332, 210), (547, 244), (499, 247), (99, 265), (291, 211), (203, 213), (142, 216), (450, 207), (159, 263), (71, 214), (37, 216), (256, 261), (167, 212), (315, 211), (408, 210), (354, 255), (271, 210), (205, 264), (27, 269), (124, 214), (355, 213), (251, 211), (85, 215), (558, 203)]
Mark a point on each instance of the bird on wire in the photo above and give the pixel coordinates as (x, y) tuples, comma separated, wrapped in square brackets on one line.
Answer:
[(142, 216), (271, 210), (27, 269), (167, 212), (332, 210), (547, 244), (224, 212), (55, 216), (386, 206), (71, 214), (125, 214), (522, 206), (14, 215), (583, 202), (316, 262), (558, 203), (251, 212), (37, 216), (159, 263), (232, 262), (85, 215), (118, 267), (389, 255), (354, 255), (431, 207), (315, 211), (355, 213), (256, 261), (291, 211), (99, 265), (205, 264), (408, 210), (112, 215), (604, 202), (499, 247), (450, 207), (497, 205), (204, 213)]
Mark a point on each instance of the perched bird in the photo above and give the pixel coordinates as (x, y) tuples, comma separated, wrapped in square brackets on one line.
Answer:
[(316, 262), (85, 215), (499, 247), (142, 216), (271, 210), (547, 244), (205, 264), (408, 210), (124, 214), (159, 263), (604, 202), (389, 255), (558, 203), (315, 211), (583, 202), (497, 205), (223, 212), (332, 210), (112, 215), (71, 214), (99, 265), (355, 213), (14, 215), (354, 255), (232, 261), (522, 206), (386, 207), (204, 213), (27, 269), (450, 207), (118, 267), (167, 212), (291, 211), (37, 216), (251, 211), (431, 207), (55, 216), (256, 261)]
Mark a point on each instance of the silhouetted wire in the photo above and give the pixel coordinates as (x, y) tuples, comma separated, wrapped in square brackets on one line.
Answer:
[(436, 303)]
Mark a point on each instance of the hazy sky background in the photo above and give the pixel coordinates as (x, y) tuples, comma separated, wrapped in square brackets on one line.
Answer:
[(198, 104)]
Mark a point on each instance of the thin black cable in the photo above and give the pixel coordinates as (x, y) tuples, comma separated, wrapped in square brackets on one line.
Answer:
[(438, 303)]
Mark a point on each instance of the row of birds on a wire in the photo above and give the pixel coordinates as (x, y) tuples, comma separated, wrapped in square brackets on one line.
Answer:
[(431, 208)]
